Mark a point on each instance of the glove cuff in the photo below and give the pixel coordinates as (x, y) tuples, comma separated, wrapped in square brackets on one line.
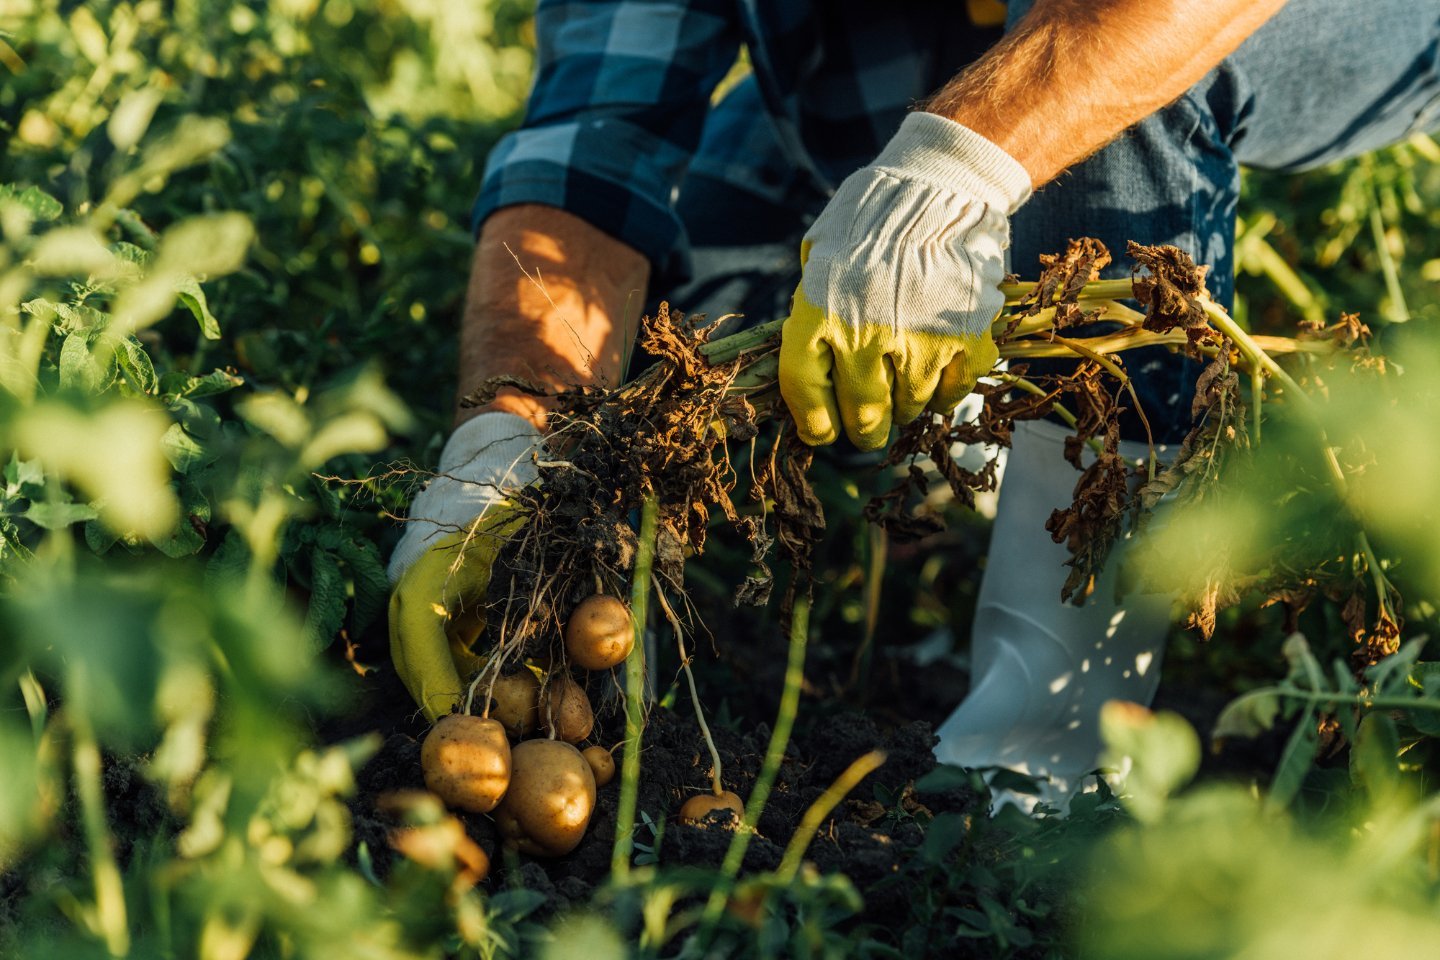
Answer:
[(485, 456), (495, 444), (939, 151)]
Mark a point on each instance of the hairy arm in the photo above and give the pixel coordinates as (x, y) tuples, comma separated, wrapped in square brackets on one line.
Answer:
[(1073, 74), (552, 300)]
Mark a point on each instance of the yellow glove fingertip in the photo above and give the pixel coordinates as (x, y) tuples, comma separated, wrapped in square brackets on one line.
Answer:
[(805, 363)]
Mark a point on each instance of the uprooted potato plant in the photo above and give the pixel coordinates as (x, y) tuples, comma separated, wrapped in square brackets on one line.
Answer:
[(702, 432)]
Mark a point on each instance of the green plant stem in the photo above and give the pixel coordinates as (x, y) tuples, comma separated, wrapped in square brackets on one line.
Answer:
[(110, 918), (1094, 290), (1354, 700), (820, 809), (634, 698), (1399, 309), (1227, 325), (770, 768)]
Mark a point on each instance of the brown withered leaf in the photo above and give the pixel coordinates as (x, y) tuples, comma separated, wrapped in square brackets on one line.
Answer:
[(1171, 291), (1345, 332), (1062, 275), (1093, 522)]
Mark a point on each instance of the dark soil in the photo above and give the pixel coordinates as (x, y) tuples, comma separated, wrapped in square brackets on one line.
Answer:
[(859, 839)]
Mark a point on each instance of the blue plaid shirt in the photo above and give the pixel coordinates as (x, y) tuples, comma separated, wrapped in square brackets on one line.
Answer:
[(621, 109)]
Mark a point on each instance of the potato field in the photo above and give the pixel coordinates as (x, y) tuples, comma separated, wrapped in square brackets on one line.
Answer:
[(699, 708)]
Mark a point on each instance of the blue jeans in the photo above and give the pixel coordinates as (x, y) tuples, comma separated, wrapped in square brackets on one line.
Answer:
[(1321, 81)]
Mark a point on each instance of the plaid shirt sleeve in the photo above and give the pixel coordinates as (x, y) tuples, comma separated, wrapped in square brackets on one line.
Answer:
[(621, 92)]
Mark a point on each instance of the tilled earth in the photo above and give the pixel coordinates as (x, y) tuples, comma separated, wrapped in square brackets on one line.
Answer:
[(861, 839)]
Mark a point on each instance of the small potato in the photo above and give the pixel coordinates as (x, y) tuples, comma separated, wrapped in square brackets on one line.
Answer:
[(550, 800), (466, 762), (600, 633), (564, 706), (697, 808), (602, 764), (515, 702)]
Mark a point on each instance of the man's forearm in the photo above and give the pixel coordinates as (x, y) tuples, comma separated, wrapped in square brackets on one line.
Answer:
[(1073, 74), (551, 299)]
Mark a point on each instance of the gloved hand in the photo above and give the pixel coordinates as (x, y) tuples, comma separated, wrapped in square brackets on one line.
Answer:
[(441, 567), (899, 284)]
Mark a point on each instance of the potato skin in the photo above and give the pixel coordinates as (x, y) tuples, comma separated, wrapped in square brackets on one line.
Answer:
[(564, 705), (602, 764), (551, 797), (698, 807), (516, 703), (600, 633), (466, 762)]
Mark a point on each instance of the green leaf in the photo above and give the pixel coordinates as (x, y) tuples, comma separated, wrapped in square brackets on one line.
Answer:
[(38, 203), (515, 905), (136, 365), (188, 535), (945, 778), (326, 613), (1426, 676), (100, 538), (23, 475), (177, 384), (1163, 750), (1305, 670), (78, 369), (185, 453), (1374, 757), (1392, 674), (1248, 715), (130, 253), (58, 516), (1015, 782), (372, 586), (208, 245), (78, 318), (193, 298), (230, 563), (946, 832), (1296, 761)]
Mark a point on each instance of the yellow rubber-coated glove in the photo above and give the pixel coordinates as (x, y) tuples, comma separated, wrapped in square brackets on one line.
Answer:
[(440, 570), (900, 278), (446, 584)]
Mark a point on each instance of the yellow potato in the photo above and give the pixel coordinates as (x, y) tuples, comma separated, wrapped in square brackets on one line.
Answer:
[(564, 706), (698, 807), (466, 762), (602, 764), (515, 702), (550, 800), (600, 633)]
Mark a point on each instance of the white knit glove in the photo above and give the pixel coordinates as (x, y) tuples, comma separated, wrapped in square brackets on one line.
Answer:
[(485, 456), (900, 283)]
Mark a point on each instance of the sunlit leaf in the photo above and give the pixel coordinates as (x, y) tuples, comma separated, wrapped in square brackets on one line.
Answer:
[(112, 455), (58, 516), (1161, 750)]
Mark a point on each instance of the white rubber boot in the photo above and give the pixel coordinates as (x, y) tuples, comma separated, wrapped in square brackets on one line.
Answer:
[(1042, 669)]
